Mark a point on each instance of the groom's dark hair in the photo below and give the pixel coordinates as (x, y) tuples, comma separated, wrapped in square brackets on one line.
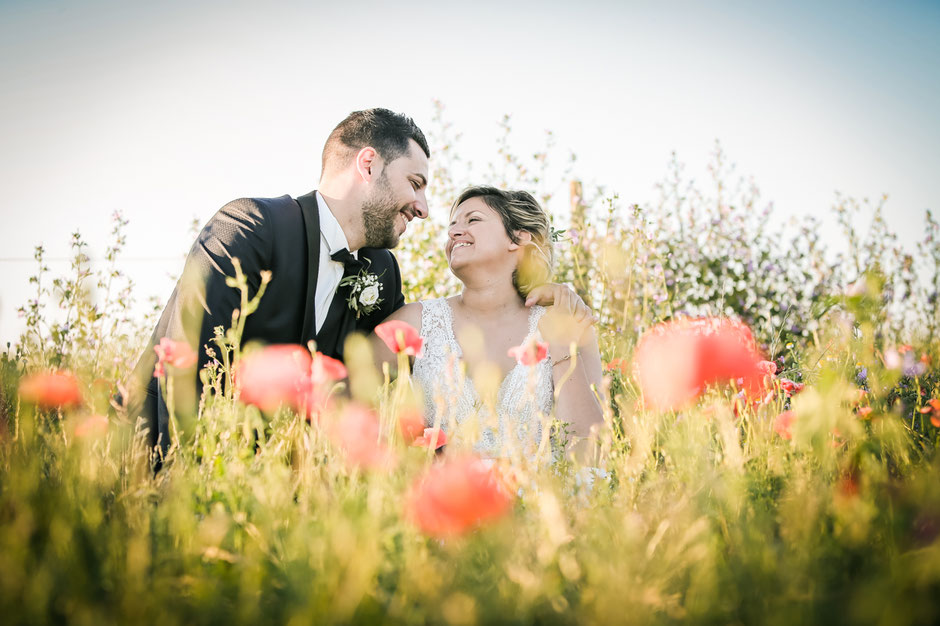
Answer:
[(386, 131)]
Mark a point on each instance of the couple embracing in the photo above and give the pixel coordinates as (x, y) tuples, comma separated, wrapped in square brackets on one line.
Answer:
[(373, 182)]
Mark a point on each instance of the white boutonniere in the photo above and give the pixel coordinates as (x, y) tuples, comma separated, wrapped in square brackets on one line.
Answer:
[(364, 289)]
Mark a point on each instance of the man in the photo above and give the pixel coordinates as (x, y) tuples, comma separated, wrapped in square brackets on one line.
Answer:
[(373, 182)]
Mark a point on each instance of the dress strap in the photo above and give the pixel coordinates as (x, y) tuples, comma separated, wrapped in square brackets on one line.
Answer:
[(535, 316), (437, 327), (448, 317)]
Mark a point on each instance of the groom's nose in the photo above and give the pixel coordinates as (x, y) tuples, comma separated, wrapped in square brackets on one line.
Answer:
[(421, 204)]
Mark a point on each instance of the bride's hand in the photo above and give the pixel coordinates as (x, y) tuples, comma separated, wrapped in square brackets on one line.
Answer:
[(562, 299), (566, 320)]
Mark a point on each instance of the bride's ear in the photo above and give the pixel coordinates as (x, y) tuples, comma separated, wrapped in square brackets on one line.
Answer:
[(523, 238)]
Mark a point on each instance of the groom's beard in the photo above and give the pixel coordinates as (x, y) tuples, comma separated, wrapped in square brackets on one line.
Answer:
[(378, 217)]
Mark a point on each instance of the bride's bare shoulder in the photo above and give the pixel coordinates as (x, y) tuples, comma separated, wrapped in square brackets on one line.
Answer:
[(410, 314)]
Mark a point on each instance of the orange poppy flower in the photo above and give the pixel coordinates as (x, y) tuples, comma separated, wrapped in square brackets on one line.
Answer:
[(92, 426), (411, 424), (933, 408), (768, 367), (51, 390), (273, 376), (357, 432), (325, 369), (675, 361), (400, 337), (431, 436), (783, 423), (791, 388), (618, 365), (457, 495), (529, 352), (179, 354)]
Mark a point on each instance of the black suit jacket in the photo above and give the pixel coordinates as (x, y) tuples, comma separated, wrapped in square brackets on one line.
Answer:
[(277, 234)]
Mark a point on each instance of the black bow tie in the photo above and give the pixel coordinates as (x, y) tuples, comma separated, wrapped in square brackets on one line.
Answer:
[(350, 263)]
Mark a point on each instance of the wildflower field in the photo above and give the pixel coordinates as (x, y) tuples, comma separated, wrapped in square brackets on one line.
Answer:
[(799, 487)]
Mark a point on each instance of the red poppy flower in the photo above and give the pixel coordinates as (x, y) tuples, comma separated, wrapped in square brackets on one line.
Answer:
[(51, 390), (675, 361), (728, 352), (92, 426), (357, 432), (783, 423), (790, 387), (400, 337), (768, 367), (933, 408), (618, 365), (326, 369), (275, 375), (176, 353), (666, 366), (456, 495), (530, 352), (863, 411), (837, 440), (428, 438), (411, 424), (287, 375), (848, 485)]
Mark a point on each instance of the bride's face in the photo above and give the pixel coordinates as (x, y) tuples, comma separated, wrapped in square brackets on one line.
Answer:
[(477, 237)]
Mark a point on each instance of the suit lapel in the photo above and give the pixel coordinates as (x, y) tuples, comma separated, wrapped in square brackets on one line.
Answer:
[(340, 321), (311, 215)]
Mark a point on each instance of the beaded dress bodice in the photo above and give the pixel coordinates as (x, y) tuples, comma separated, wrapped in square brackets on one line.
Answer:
[(523, 401)]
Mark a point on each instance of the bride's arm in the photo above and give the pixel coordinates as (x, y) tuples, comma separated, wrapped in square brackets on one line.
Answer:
[(577, 402)]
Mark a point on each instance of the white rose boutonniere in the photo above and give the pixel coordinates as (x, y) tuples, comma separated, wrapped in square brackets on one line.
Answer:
[(364, 290), (369, 295)]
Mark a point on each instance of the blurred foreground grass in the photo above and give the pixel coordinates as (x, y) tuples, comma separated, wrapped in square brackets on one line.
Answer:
[(706, 516)]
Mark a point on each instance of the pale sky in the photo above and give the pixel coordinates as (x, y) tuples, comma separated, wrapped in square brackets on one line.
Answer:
[(167, 110)]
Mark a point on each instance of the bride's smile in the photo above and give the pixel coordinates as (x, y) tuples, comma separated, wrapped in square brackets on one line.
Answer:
[(476, 236)]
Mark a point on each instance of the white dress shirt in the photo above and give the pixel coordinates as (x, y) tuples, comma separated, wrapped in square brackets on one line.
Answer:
[(332, 239)]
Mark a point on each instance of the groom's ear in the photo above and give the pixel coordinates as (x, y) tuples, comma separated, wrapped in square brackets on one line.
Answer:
[(367, 161)]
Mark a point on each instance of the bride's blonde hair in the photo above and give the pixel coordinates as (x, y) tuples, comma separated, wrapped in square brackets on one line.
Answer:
[(519, 211)]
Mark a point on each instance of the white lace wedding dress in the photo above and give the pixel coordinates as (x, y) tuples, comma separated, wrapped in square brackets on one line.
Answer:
[(522, 404)]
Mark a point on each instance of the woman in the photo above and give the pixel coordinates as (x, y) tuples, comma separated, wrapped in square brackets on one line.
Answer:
[(499, 246)]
